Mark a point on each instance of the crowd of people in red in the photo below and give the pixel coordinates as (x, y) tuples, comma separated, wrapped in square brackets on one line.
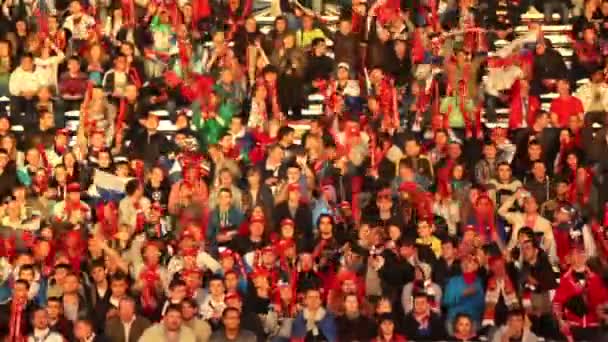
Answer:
[(177, 171)]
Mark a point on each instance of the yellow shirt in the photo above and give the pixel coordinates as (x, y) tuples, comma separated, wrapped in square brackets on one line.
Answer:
[(433, 242), (305, 38)]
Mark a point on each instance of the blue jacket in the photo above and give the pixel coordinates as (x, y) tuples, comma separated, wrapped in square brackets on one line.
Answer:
[(456, 302), (235, 218), (327, 326)]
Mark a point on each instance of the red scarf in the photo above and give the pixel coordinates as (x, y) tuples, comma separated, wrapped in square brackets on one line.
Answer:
[(469, 277), (273, 96), (580, 193), (200, 10), (128, 12), (15, 324), (71, 207), (486, 224), (149, 277), (140, 219)]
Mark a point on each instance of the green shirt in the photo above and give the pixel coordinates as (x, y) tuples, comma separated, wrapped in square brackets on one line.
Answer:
[(451, 106), (305, 38)]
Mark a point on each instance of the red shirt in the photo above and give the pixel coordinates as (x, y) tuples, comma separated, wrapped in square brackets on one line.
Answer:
[(565, 107)]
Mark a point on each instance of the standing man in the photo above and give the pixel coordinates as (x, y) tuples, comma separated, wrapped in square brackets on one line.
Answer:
[(127, 326), (231, 331), (171, 329)]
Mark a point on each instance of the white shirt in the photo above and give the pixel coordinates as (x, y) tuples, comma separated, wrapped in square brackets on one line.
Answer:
[(127, 326), (44, 336), (79, 28), (210, 308)]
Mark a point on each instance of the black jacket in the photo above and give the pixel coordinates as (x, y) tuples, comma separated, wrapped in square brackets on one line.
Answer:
[(319, 67), (346, 49), (361, 328), (434, 331), (302, 219), (149, 147), (5, 319), (8, 179)]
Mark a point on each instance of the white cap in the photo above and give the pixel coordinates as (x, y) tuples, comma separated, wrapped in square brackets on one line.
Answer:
[(343, 65)]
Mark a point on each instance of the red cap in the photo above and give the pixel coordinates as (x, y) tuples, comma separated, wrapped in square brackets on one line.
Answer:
[(268, 249), (187, 233), (426, 218), (62, 131), (260, 272), (384, 192), (285, 244), (191, 251), (326, 182), (191, 272), (226, 253), (257, 220), (287, 222), (73, 187), (345, 204), (343, 276)]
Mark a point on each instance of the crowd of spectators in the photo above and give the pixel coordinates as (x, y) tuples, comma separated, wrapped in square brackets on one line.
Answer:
[(176, 171)]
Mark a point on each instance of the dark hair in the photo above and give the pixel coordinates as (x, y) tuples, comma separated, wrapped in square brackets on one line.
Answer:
[(539, 162), (216, 277), (26, 267), (27, 55), (176, 283), (386, 317), (526, 231), (283, 131), (229, 310), (515, 312), (97, 264), (53, 299), (63, 266), (132, 186), (85, 321), (190, 301), (449, 240), (119, 276), (22, 282), (317, 41), (74, 58), (411, 138), (405, 164), (503, 163), (325, 215), (225, 190), (127, 299), (461, 315), (174, 307)]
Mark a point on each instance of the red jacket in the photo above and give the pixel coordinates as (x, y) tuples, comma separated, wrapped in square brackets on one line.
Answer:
[(595, 294), (396, 338), (515, 109)]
